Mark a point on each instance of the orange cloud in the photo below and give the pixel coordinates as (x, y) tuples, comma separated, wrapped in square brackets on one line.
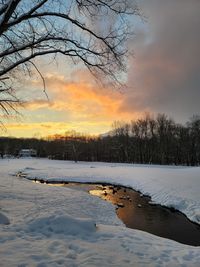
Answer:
[(78, 104), (82, 98), (37, 104)]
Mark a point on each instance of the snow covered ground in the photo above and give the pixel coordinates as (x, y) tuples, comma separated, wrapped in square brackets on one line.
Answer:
[(57, 226)]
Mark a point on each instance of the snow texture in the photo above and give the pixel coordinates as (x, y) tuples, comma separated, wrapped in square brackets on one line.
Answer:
[(58, 226), (171, 186)]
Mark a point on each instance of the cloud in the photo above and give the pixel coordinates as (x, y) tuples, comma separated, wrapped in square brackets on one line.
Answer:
[(81, 98), (164, 75), (37, 104), (77, 103)]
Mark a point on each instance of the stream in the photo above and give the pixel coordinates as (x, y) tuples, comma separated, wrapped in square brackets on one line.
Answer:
[(138, 212)]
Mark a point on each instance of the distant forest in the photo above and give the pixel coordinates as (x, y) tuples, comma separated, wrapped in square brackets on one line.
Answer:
[(148, 140)]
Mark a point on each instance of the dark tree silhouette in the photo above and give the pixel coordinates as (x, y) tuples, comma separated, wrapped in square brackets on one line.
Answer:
[(92, 32), (149, 141)]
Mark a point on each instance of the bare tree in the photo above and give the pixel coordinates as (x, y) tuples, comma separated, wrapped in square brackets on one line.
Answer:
[(91, 32)]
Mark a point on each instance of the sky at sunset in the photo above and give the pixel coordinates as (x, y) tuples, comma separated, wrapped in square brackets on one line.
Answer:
[(163, 77)]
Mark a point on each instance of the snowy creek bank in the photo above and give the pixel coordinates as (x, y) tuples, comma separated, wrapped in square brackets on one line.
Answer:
[(87, 237), (170, 186), (137, 211)]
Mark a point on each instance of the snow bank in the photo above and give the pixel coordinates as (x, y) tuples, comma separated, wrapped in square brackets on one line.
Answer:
[(55, 226), (176, 187), (62, 225)]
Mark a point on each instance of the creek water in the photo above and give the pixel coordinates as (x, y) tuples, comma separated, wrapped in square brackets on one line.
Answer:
[(137, 212)]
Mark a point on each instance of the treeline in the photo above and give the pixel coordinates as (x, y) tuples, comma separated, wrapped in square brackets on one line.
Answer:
[(148, 140)]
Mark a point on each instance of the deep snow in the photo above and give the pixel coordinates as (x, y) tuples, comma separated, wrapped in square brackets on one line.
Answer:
[(177, 187), (57, 226)]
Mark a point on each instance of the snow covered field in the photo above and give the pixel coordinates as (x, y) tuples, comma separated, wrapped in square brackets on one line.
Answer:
[(57, 226)]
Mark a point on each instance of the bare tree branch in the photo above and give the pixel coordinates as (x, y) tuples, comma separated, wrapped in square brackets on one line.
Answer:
[(92, 32)]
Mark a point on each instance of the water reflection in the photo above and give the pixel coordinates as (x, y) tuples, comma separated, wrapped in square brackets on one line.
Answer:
[(137, 212)]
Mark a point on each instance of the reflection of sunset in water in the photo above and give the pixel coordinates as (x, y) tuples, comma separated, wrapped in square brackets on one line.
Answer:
[(136, 212)]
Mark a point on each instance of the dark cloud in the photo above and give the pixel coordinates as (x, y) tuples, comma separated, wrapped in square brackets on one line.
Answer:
[(164, 76)]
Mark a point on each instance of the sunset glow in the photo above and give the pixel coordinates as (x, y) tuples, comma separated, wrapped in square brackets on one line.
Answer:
[(162, 77), (81, 105)]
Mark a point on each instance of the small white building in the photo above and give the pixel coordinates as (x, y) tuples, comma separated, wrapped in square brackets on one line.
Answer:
[(24, 153)]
